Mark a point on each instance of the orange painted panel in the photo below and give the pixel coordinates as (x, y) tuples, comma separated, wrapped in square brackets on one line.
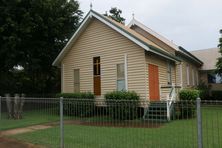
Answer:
[(97, 85), (154, 82)]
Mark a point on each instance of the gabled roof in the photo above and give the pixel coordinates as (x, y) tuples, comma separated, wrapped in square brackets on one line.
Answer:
[(208, 56), (125, 31), (178, 49), (153, 33)]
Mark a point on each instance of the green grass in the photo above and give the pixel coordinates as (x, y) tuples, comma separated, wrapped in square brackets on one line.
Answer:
[(178, 133), (29, 118)]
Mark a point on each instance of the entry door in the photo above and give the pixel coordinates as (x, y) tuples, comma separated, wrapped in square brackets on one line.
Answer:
[(153, 83), (96, 76)]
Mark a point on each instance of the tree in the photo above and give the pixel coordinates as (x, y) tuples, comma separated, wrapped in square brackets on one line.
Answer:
[(115, 14), (219, 60), (32, 33)]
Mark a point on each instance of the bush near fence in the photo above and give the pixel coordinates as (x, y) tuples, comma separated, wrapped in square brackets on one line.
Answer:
[(186, 107), (122, 105), (78, 104)]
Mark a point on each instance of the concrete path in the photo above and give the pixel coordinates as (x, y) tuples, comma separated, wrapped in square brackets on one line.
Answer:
[(13, 143), (23, 130)]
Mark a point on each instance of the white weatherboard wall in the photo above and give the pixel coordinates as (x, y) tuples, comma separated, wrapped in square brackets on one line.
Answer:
[(162, 67), (100, 40)]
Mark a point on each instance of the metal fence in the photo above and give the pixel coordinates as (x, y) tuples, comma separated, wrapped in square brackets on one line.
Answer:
[(58, 122)]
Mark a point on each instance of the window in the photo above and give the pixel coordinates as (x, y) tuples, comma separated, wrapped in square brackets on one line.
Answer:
[(193, 77), (197, 77), (188, 75), (76, 81), (96, 66), (169, 73), (214, 78), (120, 77)]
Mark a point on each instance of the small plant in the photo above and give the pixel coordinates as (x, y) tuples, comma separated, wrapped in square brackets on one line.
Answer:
[(186, 107), (123, 105), (78, 104), (189, 94)]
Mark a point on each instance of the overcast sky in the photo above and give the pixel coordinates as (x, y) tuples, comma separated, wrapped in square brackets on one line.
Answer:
[(193, 24)]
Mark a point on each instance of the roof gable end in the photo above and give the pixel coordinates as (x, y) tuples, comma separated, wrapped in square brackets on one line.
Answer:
[(114, 26), (178, 49)]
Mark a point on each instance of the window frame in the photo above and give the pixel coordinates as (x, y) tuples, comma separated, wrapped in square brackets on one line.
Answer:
[(197, 77), (169, 73), (76, 83), (193, 76), (95, 73), (188, 74), (215, 78), (121, 78)]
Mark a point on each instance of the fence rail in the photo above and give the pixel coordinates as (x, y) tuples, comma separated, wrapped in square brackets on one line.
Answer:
[(62, 122)]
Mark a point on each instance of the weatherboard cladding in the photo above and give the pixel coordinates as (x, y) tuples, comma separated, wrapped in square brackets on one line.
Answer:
[(191, 67), (129, 33), (100, 40), (162, 67), (178, 74)]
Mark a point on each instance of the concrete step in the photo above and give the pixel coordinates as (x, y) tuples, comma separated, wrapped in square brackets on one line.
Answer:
[(157, 111)]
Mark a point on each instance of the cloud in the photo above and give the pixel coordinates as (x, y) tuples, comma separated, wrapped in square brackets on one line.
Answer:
[(194, 24)]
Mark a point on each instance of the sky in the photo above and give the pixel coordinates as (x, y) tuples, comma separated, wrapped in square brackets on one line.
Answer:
[(192, 24)]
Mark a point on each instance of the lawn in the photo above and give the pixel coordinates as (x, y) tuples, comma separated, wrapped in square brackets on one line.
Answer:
[(177, 133), (29, 118)]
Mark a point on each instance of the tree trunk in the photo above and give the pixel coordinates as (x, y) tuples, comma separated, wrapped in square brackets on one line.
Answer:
[(16, 106), (21, 104), (9, 105)]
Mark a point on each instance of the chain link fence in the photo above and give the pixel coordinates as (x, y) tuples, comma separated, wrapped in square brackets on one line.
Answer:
[(58, 122)]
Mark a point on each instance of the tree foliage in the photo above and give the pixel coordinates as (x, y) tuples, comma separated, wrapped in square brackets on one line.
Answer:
[(32, 33), (115, 14), (219, 60)]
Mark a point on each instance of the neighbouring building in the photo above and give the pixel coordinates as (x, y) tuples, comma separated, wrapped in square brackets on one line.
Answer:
[(104, 55), (207, 71)]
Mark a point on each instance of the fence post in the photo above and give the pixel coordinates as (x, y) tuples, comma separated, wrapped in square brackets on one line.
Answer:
[(61, 124), (199, 125)]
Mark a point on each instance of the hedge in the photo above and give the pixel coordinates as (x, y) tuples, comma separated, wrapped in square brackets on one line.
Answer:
[(78, 104), (123, 105)]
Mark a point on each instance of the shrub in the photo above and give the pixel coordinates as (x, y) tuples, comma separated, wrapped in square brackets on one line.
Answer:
[(204, 91), (122, 104), (186, 107), (189, 94), (217, 94), (78, 104)]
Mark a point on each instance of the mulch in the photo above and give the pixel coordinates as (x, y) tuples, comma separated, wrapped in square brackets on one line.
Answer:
[(123, 124)]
